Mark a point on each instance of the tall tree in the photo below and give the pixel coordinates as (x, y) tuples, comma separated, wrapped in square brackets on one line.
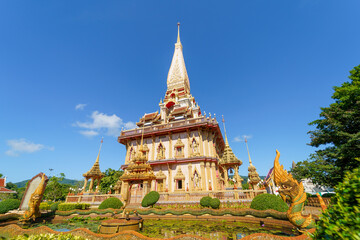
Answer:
[(110, 179), (338, 132)]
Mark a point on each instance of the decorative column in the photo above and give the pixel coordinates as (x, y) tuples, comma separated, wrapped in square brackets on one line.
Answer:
[(169, 179), (170, 146), (226, 177), (153, 149), (97, 185), (91, 185), (206, 141), (213, 173), (203, 178), (127, 152), (201, 142), (188, 154), (191, 183), (208, 176), (85, 183)]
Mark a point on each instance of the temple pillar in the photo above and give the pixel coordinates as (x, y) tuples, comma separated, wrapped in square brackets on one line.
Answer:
[(226, 177), (98, 185), (169, 179), (188, 153), (127, 153), (91, 185), (206, 141), (191, 183), (153, 149), (153, 183), (213, 173), (201, 142), (203, 178), (146, 187), (170, 146), (84, 187), (208, 176), (125, 190)]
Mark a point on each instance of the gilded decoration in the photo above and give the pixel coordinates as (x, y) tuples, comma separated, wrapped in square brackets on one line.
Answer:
[(179, 148), (160, 151), (34, 202), (160, 175), (179, 174), (194, 148), (196, 180), (289, 187)]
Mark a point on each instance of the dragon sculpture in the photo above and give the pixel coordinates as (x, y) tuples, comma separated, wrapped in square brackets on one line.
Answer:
[(289, 187), (35, 201)]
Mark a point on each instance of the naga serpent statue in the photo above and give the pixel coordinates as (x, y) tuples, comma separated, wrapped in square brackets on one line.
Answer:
[(35, 201), (291, 188)]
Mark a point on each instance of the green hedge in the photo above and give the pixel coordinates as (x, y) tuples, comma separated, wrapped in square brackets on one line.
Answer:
[(150, 199), (9, 204), (72, 206), (112, 202), (268, 201), (205, 201), (210, 202), (215, 203)]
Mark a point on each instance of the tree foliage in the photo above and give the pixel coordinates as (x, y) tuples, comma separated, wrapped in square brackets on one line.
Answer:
[(341, 220), (338, 133), (54, 190), (110, 179)]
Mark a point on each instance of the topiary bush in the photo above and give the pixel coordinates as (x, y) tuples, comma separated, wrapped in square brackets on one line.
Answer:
[(341, 219), (268, 201), (9, 204), (54, 206), (205, 201), (111, 202), (73, 206), (215, 203), (150, 199)]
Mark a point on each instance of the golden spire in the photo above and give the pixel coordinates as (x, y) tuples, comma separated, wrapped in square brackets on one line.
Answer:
[(177, 76), (97, 159), (226, 140), (178, 38), (248, 151)]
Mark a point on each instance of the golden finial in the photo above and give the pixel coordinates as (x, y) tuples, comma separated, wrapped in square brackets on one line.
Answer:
[(97, 159), (226, 140), (248, 151), (178, 38)]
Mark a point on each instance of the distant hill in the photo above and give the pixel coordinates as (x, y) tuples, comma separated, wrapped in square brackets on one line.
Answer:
[(65, 181)]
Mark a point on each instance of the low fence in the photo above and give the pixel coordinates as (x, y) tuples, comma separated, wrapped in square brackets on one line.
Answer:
[(314, 202), (181, 197)]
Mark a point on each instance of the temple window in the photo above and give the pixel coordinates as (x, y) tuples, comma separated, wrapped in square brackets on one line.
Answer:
[(179, 184), (179, 149)]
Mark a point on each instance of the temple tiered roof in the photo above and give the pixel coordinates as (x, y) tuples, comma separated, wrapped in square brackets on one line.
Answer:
[(95, 170)]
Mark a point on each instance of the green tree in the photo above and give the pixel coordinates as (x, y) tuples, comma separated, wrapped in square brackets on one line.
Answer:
[(338, 132), (110, 178), (341, 220), (55, 190)]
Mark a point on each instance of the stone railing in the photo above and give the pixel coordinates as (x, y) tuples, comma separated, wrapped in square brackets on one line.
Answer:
[(314, 202), (93, 199), (177, 197), (187, 122)]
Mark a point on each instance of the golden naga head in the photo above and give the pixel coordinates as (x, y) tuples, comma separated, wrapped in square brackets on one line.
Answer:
[(288, 186)]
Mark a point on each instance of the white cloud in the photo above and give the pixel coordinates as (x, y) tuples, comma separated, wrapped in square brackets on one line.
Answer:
[(18, 146), (241, 138), (103, 123), (80, 106), (89, 133)]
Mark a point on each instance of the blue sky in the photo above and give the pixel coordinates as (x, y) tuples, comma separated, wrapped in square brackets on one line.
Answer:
[(267, 66)]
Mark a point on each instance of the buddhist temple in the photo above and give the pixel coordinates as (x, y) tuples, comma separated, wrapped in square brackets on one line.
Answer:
[(93, 174), (184, 148)]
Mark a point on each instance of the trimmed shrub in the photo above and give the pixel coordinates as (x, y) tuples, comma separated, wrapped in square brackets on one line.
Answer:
[(150, 199), (45, 205), (9, 204), (268, 201), (112, 202), (54, 206), (73, 206), (341, 219), (205, 201), (215, 203)]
